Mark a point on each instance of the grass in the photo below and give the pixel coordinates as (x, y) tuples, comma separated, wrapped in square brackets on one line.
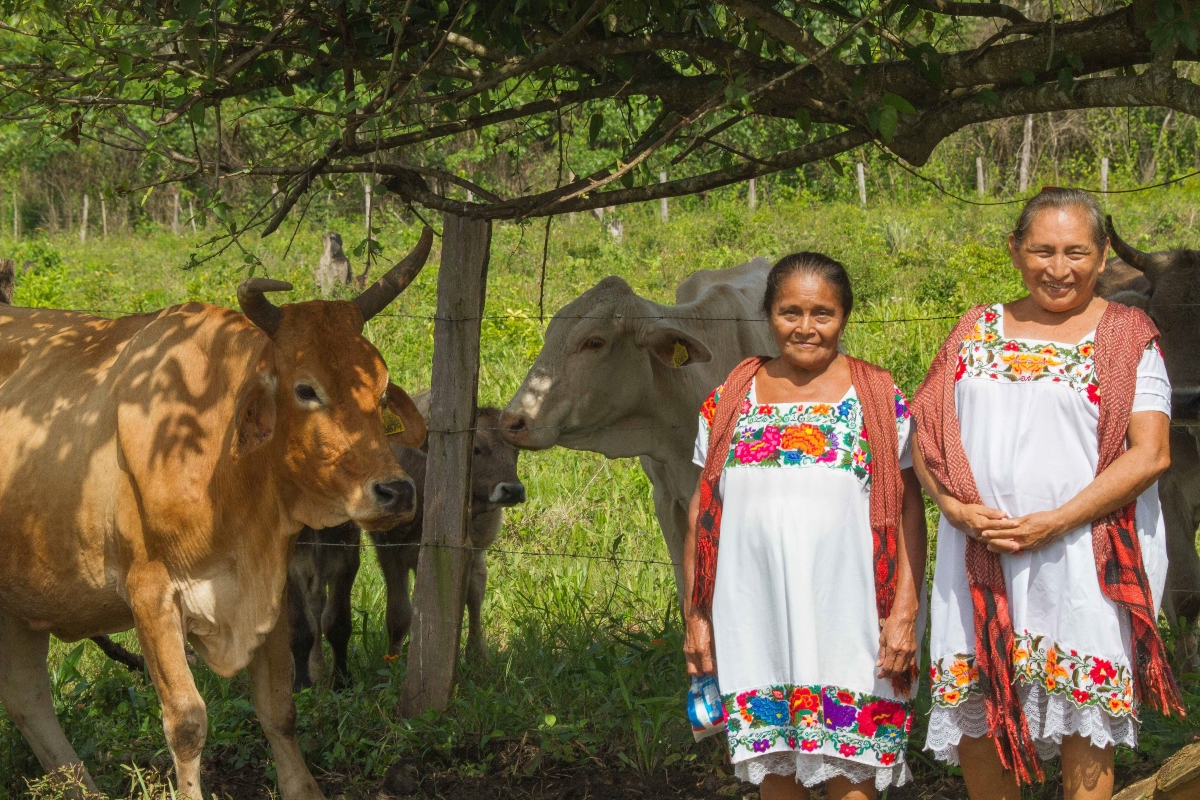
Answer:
[(585, 667)]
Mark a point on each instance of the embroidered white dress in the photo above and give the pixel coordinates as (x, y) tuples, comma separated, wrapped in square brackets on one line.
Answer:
[(794, 620), (1029, 411)]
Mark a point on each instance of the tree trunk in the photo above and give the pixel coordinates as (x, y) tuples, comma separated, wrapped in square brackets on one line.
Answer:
[(1026, 152), (1178, 779), (175, 212), (442, 568), (83, 221), (103, 216)]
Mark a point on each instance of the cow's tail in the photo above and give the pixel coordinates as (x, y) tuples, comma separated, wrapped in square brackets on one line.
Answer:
[(132, 661), (8, 280)]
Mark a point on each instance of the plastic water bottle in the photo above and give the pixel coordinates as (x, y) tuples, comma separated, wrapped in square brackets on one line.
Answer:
[(705, 710)]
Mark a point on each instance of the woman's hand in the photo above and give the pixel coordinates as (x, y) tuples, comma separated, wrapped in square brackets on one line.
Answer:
[(1031, 532), (698, 644), (976, 521), (898, 646)]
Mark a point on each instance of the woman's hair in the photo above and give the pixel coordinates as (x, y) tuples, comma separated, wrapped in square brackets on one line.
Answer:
[(819, 264), (1056, 198)]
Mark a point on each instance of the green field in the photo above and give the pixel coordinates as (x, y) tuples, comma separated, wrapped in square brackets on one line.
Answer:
[(585, 671)]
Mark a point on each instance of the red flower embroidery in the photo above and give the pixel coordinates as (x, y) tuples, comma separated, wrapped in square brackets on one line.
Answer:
[(848, 750), (765, 410), (845, 698), (1080, 696), (989, 316), (879, 712), (808, 745), (1011, 346), (1102, 671), (1093, 393), (804, 699), (961, 370), (709, 409), (887, 758)]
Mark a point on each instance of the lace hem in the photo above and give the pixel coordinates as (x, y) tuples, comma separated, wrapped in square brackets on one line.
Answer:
[(812, 769), (1050, 718)]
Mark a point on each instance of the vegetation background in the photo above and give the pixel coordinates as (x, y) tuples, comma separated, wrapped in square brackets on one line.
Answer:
[(585, 675)]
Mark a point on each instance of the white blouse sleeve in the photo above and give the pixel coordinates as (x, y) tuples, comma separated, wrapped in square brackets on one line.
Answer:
[(700, 453), (904, 429), (1153, 392)]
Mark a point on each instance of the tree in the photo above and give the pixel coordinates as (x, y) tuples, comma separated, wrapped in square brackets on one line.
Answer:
[(388, 87)]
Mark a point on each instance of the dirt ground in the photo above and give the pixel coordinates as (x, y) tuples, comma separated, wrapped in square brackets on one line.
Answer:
[(409, 780)]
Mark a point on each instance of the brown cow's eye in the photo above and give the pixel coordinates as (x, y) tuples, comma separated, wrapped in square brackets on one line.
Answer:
[(306, 393), (594, 343)]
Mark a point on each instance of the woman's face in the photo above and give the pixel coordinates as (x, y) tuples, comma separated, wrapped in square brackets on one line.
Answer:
[(807, 321), (1058, 260)]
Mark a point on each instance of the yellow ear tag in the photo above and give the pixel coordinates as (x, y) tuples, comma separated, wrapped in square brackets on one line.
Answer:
[(392, 423), (680, 356)]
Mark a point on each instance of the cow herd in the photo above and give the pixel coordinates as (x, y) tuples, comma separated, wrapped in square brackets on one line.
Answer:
[(194, 473)]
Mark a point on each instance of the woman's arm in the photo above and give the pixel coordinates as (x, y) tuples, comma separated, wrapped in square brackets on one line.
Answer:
[(898, 638), (973, 520), (698, 639), (1134, 471)]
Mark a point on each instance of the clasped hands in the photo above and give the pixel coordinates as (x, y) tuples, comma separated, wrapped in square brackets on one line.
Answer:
[(1002, 533)]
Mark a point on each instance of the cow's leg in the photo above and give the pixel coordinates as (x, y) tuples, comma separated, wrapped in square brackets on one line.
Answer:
[(25, 693), (671, 513), (396, 563), (271, 687), (476, 588), (302, 635), (339, 566), (1182, 600), (159, 624)]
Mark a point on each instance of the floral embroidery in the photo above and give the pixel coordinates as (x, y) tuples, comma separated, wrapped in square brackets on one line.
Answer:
[(802, 434), (812, 718), (986, 354), (1085, 680)]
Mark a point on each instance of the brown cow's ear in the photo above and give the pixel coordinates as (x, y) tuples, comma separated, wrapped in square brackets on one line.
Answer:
[(672, 346), (411, 425), (255, 419)]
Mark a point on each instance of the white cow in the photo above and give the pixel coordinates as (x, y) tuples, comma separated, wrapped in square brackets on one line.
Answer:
[(623, 376)]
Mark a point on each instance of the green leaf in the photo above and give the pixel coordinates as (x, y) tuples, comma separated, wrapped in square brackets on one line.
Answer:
[(1027, 76), (124, 63), (864, 52), (988, 96), (595, 125), (805, 120), (908, 18), (1066, 80), (858, 85), (196, 114), (899, 103), (888, 119), (836, 166), (930, 23)]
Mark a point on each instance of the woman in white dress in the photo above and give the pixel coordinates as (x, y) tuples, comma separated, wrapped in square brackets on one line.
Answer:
[(810, 617), (1042, 430)]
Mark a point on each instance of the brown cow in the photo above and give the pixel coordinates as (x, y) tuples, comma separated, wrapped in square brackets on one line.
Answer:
[(1167, 286), (329, 559), (154, 473)]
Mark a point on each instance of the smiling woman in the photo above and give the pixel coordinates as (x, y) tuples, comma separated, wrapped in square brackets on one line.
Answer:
[(812, 615), (1042, 430)]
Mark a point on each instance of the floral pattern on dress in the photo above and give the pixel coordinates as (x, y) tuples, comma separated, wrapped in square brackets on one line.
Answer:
[(987, 354), (1086, 680), (818, 718), (802, 434)]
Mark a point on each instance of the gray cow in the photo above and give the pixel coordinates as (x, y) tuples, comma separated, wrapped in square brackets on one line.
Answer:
[(623, 376), (1167, 285), (322, 570)]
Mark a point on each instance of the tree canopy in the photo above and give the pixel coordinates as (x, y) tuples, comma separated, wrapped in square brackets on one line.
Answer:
[(391, 88)]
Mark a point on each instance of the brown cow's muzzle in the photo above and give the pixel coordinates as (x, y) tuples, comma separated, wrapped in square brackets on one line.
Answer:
[(396, 500)]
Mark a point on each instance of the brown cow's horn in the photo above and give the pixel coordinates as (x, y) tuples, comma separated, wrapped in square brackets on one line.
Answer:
[(1150, 264), (261, 311), (376, 297)]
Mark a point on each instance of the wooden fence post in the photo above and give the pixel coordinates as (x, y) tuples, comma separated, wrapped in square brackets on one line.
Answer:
[(662, 212), (83, 222), (103, 217), (16, 215), (175, 212), (979, 186), (1104, 175), (752, 194), (862, 185), (441, 572)]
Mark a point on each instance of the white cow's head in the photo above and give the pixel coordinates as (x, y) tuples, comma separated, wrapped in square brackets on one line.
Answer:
[(606, 358), (1173, 302)]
